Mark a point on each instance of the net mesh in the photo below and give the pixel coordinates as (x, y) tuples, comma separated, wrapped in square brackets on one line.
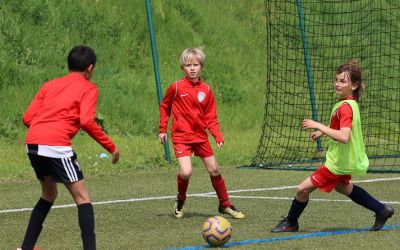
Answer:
[(306, 41)]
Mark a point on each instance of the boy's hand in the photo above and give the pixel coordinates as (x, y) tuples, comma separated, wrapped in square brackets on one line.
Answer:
[(163, 137), (115, 156), (220, 144), (314, 135), (310, 124)]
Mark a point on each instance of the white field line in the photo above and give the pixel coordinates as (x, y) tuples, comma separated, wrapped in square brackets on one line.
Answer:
[(291, 198), (211, 194), (293, 187)]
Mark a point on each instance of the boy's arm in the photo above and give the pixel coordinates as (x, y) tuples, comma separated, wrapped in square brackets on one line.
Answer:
[(212, 119), (88, 123), (342, 135), (31, 111), (165, 108), (345, 115)]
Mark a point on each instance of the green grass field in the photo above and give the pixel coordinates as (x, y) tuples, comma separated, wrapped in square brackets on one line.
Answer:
[(134, 210)]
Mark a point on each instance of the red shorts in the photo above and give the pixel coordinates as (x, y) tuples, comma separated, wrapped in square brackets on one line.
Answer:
[(200, 149), (325, 180)]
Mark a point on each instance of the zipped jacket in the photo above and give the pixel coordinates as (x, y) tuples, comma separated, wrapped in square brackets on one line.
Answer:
[(193, 109), (60, 108)]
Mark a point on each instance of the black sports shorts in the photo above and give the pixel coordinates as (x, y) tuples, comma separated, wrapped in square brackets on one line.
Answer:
[(64, 170)]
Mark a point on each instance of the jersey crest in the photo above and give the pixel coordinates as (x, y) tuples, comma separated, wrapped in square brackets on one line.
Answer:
[(201, 96)]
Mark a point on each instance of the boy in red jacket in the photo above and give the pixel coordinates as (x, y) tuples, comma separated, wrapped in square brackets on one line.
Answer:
[(192, 104), (58, 111)]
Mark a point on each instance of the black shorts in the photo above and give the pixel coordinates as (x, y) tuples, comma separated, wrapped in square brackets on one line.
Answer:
[(64, 170)]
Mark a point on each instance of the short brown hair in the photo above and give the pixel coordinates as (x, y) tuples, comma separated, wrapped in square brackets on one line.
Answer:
[(354, 73)]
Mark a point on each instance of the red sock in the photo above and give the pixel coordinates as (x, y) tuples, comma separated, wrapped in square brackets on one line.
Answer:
[(219, 185), (182, 187)]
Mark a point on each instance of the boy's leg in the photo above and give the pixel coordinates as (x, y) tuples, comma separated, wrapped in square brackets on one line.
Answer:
[(218, 183), (185, 171), (299, 203), (360, 196), (363, 198), (81, 197), (39, 213)]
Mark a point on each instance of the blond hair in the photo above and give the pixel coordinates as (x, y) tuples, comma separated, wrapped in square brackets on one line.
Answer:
[(190, 54)]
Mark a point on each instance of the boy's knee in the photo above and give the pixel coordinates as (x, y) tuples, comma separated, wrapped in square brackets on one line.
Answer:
[(302, 192), (81, 198), (50, 196), (185, 174), (214, 172), (344, 189), (79, 192)]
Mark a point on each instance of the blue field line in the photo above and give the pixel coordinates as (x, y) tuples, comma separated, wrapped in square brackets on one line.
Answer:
[(286, 238)]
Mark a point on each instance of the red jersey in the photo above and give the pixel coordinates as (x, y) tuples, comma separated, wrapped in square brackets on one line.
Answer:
[(60, 108), (343, 116), (193, 109)]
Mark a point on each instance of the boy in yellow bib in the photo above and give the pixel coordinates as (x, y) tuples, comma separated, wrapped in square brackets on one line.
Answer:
[(345, 156)]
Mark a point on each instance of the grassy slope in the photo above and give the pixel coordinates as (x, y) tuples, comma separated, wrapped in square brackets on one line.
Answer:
[(36, 35)]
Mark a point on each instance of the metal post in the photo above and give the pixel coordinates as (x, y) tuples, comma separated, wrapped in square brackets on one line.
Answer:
[(310, 77), (155, 66)]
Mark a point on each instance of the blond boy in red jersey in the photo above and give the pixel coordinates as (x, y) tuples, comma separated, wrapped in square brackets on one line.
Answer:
[(192, 105)]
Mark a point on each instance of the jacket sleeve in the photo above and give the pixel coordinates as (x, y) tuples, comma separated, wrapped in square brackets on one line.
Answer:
[(88, 123), (212, 119), (166, 107), (33, 108)]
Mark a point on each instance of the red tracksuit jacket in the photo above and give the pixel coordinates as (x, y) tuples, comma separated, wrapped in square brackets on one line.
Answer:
[(193, 110), (60, 108)]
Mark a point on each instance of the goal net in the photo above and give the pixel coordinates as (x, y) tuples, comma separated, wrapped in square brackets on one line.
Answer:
[(306, 41)]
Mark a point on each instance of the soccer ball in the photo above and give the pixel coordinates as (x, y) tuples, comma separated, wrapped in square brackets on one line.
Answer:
[(217, 231)]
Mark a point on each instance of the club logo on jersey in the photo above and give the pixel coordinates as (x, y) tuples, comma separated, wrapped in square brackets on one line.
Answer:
[(201, 96), (77, 164)]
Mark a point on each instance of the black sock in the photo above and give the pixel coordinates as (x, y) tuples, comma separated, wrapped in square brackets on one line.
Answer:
[(295, 210), (36, 220), (363, 198), (86, 223)]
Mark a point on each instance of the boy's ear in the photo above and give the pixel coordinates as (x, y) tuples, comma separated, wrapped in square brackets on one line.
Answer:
[(89, 71), (90, 68)]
